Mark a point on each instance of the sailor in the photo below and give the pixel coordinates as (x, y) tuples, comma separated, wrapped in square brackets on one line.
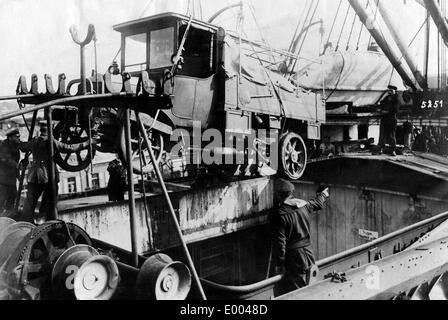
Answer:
[(116, 186), (327, 149), (39, 176), (408, 129), (291, 245), (9, 158), (389, 108)]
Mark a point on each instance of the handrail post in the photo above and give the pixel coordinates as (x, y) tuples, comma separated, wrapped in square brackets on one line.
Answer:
[(133, 223), (52, 178)]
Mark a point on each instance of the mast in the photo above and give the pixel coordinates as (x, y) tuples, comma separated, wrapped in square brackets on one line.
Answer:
[(439, 19), (370, 24), (402, 46)]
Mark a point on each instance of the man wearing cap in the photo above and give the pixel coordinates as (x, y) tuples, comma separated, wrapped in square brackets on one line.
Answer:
[(291, 246), (388, 126), (9, 158), (38, 175)]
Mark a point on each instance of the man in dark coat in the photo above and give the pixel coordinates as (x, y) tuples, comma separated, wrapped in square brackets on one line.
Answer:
[(38, 175), (389, 108), (9, 158), (291, 246), (116, 185)]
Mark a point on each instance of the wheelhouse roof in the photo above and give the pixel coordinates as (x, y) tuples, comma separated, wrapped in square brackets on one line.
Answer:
[(160, 20)]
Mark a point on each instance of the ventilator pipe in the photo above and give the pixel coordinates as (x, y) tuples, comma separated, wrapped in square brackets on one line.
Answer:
[(436, 15), (171, 209), (82, 272), (161, 278), (387, 50), (402, 46)]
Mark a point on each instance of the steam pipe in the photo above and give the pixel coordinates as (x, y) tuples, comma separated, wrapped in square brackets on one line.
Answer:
[(370, 25), (218, 13), (402, 46), (439, 19)]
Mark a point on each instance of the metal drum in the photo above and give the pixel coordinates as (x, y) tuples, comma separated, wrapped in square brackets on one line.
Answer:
[(11, 237), (161, 278), (5, 222), (82, 273)]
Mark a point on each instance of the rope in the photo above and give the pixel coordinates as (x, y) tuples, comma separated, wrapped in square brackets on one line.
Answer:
[(297, 29), (351, 32), (361, 30), (332, 27), (295, 41), (303, 42), (263, 39), (143, 12), (342, 29), (374, 18)]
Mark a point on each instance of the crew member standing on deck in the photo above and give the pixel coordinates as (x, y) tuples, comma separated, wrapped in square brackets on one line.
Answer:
[(389, 108), (38, 175), (9, 158), (291, 246), (116, 186)]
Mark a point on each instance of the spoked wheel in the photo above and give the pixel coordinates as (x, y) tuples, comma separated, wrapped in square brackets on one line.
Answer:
[(293, 156), (71, 134), (138, 146), (33, 263)]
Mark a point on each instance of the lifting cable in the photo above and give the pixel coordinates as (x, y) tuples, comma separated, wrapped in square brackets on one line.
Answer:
[(332, 27), (374, 19), (342, 29), (351, 32), (303, 41), (142, 14), (361, 30), (263, 39), (299, 22), (295, 41)]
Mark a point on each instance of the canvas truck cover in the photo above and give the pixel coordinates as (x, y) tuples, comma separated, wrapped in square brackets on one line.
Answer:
[(358, 77), (264, 91)]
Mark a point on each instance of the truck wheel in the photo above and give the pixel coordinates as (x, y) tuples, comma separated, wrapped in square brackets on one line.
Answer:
[(293, 156), (72, 133)]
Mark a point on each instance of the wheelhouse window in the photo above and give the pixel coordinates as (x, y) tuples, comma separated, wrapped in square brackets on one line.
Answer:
[(135, 57), (198, 54), (161, 48)]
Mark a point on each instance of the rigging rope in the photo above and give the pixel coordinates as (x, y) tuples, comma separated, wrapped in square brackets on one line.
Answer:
[(342, 29), (263, 39), (299, 22), (303, 41), (374, 17), (361, 30), (119, 49), (351, 32), (332, 27), (296, 40)]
